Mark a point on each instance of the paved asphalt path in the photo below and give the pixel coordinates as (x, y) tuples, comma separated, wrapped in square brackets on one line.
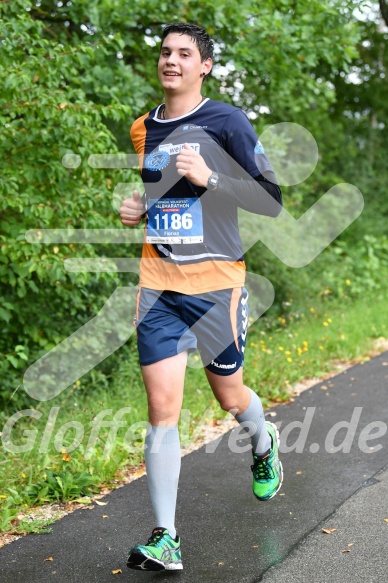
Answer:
[(227, 535)]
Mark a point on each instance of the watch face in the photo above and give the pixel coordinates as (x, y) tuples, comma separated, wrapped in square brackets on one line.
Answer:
[(213, 180)]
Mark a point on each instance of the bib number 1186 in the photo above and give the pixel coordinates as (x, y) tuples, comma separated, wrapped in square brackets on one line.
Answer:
[(173, 221)]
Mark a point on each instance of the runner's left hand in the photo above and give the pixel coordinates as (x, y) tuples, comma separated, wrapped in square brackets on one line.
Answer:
[(191, 165)]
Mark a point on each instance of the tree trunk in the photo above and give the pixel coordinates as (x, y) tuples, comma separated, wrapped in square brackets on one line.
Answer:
[(384, 10)]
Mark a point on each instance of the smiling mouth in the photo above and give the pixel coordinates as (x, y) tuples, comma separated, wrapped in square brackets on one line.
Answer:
[(171, 74)]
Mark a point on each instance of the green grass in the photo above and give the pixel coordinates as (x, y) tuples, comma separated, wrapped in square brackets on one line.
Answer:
[(304, 342), (311, 341)]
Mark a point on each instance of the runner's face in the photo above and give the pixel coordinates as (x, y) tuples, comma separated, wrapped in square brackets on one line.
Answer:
[(179, 66)]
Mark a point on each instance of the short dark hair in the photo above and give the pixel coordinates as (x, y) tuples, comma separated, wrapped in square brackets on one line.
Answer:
[(197, 33)]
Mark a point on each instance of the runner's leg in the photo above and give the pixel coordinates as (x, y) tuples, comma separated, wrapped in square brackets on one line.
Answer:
[(245, 404), (164, 381)]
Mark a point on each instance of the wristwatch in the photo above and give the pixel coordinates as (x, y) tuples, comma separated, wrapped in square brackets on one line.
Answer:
[(213, 181)]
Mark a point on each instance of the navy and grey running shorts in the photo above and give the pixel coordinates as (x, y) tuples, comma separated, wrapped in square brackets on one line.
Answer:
[(216, 323)]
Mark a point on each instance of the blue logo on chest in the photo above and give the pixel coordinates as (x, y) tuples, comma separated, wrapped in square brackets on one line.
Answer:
[(157, 161)]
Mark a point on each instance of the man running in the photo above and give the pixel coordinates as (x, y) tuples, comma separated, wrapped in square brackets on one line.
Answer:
[(200, 160)]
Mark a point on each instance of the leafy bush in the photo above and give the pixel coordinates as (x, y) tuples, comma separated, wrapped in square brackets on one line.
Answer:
[(62, 485), (45, 116)]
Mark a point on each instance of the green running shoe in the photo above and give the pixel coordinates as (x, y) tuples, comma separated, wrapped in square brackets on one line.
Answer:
[(160, 553), (268, 471)]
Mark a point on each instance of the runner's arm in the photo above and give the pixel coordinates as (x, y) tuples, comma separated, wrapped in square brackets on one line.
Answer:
[(259, 195)]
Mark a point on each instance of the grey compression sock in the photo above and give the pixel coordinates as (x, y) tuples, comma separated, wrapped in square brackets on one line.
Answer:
[(163, 464), (254, 418)]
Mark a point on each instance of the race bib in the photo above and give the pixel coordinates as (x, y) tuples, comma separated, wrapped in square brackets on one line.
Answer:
[(173, 220)]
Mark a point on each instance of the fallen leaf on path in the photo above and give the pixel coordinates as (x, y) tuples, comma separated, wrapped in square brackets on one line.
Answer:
[(350, 544), (138, 474), (346, 551), (328, 530), (255, 546), (83, 500), (100, 503), (105, 516), (49, 559), (298, 473), (116, 571), (385, 519)]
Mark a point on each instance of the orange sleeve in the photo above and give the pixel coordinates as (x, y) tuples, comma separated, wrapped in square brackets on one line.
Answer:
[(138, 137)]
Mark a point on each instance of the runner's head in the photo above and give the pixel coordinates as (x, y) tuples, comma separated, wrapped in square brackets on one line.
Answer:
[(188, 36), (198, 34)]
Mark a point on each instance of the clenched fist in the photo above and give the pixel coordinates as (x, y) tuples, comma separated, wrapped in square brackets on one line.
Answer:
[(191, 164), (132, 210)]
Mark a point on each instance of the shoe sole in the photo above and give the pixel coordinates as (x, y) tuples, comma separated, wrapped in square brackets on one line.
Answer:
[(277, 437), (140, 562)]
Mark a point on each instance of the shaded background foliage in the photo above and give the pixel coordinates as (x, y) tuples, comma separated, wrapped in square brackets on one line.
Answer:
[(76, 74)]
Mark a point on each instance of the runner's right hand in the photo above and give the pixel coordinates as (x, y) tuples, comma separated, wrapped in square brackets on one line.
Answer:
[(132, 209)]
